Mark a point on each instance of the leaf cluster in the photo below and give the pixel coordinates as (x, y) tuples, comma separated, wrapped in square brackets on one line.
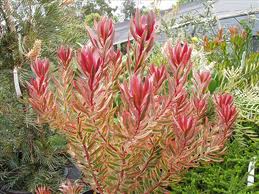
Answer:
[(30, 155)]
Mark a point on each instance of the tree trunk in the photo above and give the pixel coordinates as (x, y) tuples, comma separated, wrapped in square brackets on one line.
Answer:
[(8, 14)]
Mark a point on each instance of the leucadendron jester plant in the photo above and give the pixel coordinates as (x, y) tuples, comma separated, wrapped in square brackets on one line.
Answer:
[(132, 127)]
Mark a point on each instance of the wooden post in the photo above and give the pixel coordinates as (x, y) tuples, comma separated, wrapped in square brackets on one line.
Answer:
[(251, 172), (16, 82)]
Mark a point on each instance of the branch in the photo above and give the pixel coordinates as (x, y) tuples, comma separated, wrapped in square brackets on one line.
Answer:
[(146, 163), (158, 183), (88, 160), (121, 177), (87, 157), (5, 18), (7, 6)]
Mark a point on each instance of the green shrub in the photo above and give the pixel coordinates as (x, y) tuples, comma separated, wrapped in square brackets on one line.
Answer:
[(29, 155), (227, 177)]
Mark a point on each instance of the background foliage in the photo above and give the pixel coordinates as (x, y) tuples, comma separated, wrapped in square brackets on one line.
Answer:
[(229, 176), (30, 154), (236, 71)]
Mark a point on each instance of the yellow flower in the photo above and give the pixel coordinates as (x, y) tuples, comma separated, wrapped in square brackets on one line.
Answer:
[(195, 39), (35, 51)]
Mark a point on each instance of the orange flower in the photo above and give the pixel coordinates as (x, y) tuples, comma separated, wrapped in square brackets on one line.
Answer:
[(233, 31), (206, 43)]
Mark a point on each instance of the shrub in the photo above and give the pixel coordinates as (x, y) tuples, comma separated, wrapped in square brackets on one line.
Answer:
[(131, 127), (30, 154), (236, 71), (219, 178)]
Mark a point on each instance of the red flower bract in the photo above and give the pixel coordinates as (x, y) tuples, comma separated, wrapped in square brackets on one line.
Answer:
[(143, 25), (200, 105), (228, 114), (105, 30), (204, 77), (65, 55), (40, 67), (159, 74), (179, 55), (225, 109), (202, 80), (224, 99), (185, 123), (139, 91), (37, 87), (89, 61)]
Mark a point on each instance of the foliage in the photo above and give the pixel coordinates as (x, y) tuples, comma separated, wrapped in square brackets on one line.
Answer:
[(236, 70), (128, 8), (34, 155), (89, 19), (30, 155), (188, 25), (101, 7), (132, 127), (49, 21), (227, 177)]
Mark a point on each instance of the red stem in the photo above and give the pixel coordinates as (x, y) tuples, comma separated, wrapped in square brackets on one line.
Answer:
[(137, 128), (158, 183), (88, 160), (87, 157), (146, 164), (121, 173)]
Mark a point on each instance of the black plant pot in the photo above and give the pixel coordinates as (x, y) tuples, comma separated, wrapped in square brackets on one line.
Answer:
[(89, 192)]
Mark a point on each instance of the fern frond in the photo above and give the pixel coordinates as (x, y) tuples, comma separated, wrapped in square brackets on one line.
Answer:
[(247, 126)]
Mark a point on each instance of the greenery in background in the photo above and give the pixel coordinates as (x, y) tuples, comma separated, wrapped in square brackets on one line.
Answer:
[(227, 177), (89, 19), (128, 8), (30, 154), (188, 25), (236, 71), (50, 21), (102, 7)]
